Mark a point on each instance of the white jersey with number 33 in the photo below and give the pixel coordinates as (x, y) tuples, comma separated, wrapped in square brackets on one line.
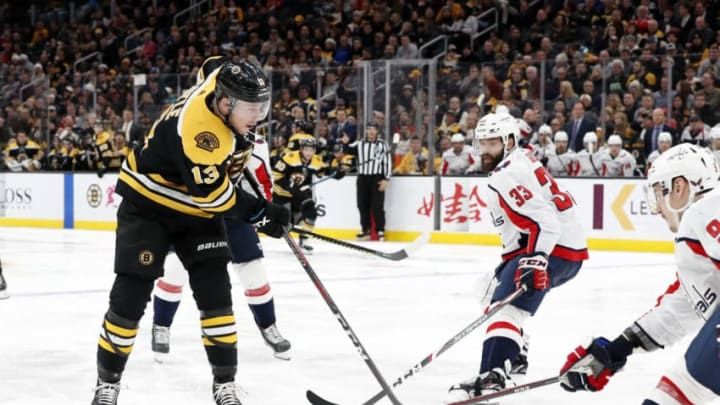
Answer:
[(531, 212)]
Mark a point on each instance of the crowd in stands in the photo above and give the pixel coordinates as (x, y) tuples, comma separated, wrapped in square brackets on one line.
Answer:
[(643, 70)]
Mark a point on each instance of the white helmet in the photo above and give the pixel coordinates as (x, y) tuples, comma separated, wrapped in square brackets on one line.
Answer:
[(502, 109), (561, 136), (457, 138), (695, 164), (590, 137), (615, 140), (494, 126), (667, 136), (545, 129), (714, 132)]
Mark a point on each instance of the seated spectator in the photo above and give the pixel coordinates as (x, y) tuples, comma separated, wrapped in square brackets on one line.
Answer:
[(415, 161), (697, 133)]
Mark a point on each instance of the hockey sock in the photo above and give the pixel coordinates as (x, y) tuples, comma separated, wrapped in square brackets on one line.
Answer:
[(115, 343), (166, 302), (219, 337), (253, 277), (496, 352)]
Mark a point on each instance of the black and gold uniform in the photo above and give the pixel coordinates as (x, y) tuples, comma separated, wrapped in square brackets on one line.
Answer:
[(293, 176), (23, 154), (176, 189), (341, 161)]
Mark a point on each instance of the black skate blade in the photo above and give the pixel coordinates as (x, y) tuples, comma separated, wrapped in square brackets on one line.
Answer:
[(316, 399)]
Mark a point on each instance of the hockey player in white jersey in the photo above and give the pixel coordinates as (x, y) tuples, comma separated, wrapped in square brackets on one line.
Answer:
[(543, 246), (247, 262), (588, 158), (664, 143), (682, 188), (715, 142), (544, 146), (562, 163), (614, 161), (459, 158)]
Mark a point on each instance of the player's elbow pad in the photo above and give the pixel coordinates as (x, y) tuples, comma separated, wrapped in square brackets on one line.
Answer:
[(639, 339), (246, 205)]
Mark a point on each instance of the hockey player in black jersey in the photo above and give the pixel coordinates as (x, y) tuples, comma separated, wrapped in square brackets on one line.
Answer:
[(175, 189), (3, 285), (293, 175)]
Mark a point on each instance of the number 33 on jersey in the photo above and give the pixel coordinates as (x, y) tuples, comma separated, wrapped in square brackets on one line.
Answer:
[(532, 212)]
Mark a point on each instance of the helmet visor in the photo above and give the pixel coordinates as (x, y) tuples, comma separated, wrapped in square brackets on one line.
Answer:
[(653, 196), (251, 111)]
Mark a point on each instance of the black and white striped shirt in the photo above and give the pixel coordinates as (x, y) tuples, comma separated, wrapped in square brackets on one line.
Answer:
[(373, 158)]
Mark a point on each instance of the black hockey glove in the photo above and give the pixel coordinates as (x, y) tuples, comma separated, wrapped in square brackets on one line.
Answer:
[(338, 173), (589, 368), (273, 220)]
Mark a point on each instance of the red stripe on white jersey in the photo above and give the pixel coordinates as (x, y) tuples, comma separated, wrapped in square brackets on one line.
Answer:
[(262, 175), (503, 325), (698, 249), (573, 255), (522, 222), (667, 386), (258, 292), (171, 288), (670, 290)]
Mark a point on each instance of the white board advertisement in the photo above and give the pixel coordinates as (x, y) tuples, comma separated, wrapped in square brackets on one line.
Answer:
[(95, 199), (32, 196)]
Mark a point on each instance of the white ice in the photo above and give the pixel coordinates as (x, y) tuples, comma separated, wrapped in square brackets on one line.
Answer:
[(401, 311)]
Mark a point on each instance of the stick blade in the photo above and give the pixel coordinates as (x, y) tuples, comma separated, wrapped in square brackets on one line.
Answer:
[(315, 399), (413, 247)]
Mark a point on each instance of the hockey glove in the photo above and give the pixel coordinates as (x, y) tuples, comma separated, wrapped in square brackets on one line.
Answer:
[(273, 220), (532, 272), (589, 368), (338, 174)]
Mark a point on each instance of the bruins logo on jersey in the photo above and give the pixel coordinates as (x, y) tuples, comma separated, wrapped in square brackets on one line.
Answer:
[(207, 141)]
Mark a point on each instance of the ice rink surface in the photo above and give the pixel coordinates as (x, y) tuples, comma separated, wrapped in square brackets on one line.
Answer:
[(402, 311)]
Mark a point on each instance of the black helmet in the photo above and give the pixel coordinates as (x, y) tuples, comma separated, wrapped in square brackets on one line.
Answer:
[(242, 81), (303, 126), (308, 142)]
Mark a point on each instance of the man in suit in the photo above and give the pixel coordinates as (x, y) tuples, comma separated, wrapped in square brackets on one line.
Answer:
[(342, 126), (577, 126), (650, 135), (133, 132)]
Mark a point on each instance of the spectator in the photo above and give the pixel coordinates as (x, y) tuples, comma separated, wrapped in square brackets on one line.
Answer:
[(578, 126), (415, 161), (407, 49), (663, 94), (650, 135), (697, 133), (22, 154)]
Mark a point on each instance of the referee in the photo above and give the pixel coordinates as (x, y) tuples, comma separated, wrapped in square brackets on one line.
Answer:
[(374, 169)]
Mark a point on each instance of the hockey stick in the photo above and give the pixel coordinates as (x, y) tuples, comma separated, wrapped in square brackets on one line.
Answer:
[(297, 251), (508, 391), (395, 256), (332, 176), (450, 343)]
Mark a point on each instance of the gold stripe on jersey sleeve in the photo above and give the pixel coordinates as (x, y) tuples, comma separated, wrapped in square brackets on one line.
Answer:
[(206, 140), (215, 194), (162, 181), (160, 199)]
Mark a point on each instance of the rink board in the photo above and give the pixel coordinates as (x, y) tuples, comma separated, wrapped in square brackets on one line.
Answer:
[(613, 211)]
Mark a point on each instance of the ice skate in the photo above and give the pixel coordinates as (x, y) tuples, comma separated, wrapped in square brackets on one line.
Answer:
[(160, 342), (227, 393), (308, 249), (363, 236), (106, 393), (486, 383), (519, 366), (273, 338)]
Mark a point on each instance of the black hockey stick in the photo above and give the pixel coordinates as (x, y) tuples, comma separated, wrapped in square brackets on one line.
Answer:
[(354, 167), (297, 251), (508, 391), (395, 256), (450, 343)]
